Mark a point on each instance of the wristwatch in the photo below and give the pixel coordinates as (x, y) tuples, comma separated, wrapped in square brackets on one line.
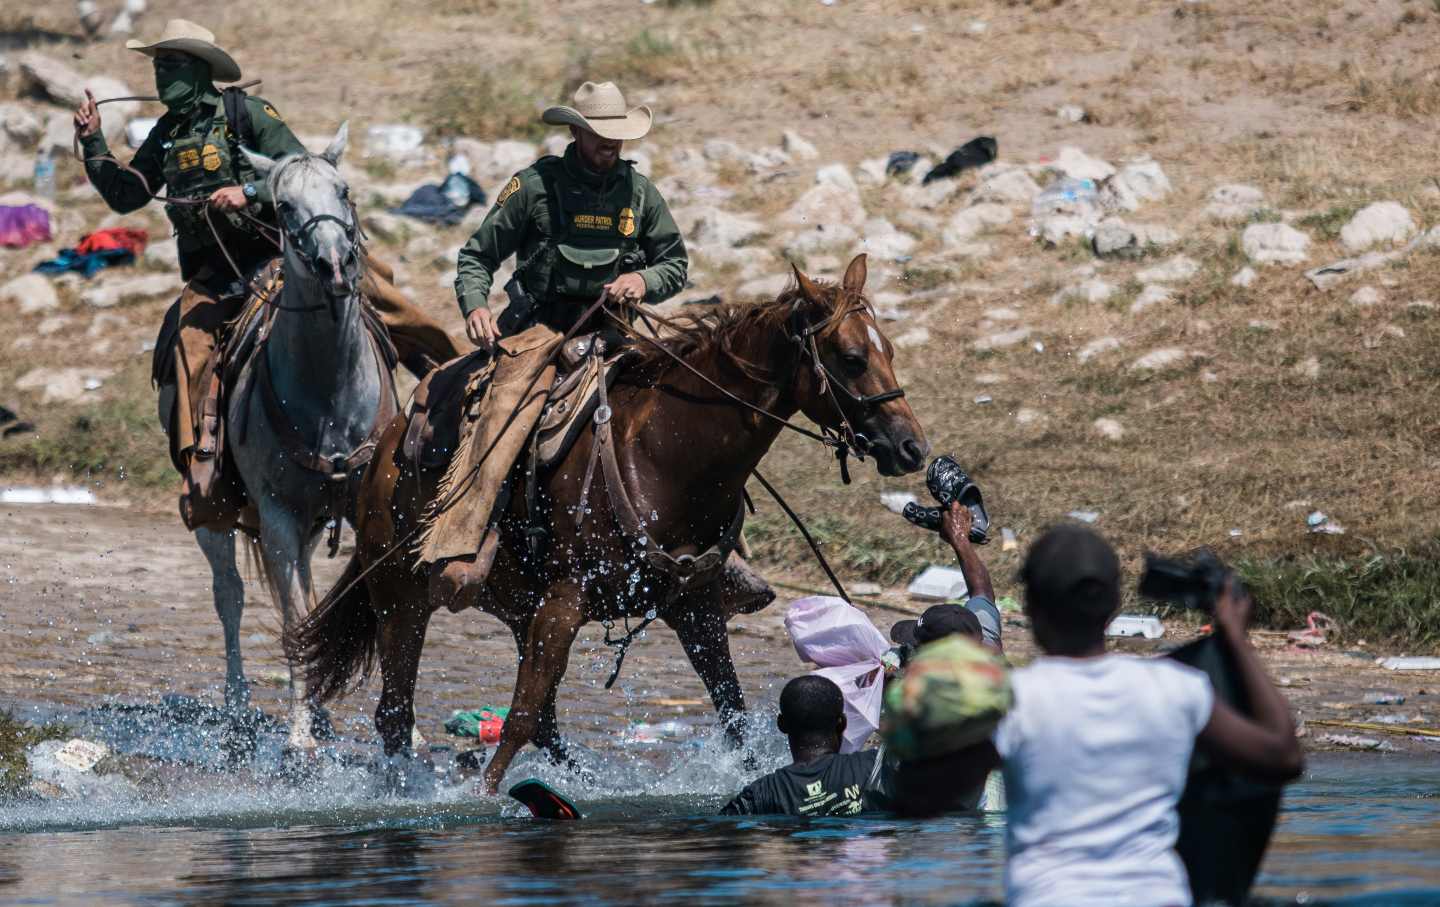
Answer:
[(249, 190)]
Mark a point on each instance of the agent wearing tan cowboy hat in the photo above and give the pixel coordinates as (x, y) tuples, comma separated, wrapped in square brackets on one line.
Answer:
[(579, 225), (194, 153)]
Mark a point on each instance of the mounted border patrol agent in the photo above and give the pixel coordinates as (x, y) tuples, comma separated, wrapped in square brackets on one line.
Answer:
[(194, 152), (579, 224)]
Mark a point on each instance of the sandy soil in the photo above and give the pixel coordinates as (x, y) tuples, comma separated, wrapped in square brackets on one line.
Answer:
[(107, 604)]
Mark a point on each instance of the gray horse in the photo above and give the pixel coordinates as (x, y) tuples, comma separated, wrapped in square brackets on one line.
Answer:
[(327, 379)]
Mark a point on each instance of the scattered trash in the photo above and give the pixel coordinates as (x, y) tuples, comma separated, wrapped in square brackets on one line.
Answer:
[(138, 130), (57, 495), (1236, 533), (1410, 663), (901, 162), (977, 152), (1008, 542), (1136, 625), (12, 424), (1383, 699), (81, 755), (1084, 516), (1071, 113), (1323, 524), (44, 174), (895, 501), (866, 589), (937, 583), (483, 724), (1078, 197), (1317, 626), (1354, 742), (983, 399), (443, 204), (96, 251), (23, 225), (1391, 719)]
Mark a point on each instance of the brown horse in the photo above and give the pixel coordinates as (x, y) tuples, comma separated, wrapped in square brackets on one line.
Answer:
[(683, 453)]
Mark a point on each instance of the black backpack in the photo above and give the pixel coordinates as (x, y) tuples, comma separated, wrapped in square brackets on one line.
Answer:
[(237, 116)]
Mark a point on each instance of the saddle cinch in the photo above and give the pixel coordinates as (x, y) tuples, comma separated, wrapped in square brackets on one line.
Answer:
[(454, 393)]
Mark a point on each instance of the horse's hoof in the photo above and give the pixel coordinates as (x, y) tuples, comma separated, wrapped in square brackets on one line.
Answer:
[(299, 765)]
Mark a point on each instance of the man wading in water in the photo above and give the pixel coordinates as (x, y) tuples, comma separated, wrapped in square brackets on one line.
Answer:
[(194, 153)]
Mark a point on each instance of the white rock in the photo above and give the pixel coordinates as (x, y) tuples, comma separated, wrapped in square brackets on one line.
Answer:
[(1090, 290), (1244, 277), (1152, 295), (719, 227), (721, 150), (928, 197), (1367, 296), (1005, 185), (768, 287), (115, 292), (1076, 164), (767, 160), (1137, 182), (913, 337), (1380, 222), (555, 143), (1157, 360), (1109, 429), (1002, 340), (797, 147), (1309, 368), (161, 253), (1025, 416), (871, 171), (641, 160), (20, 125), (1155, 235), (1002, 314), (1234, 202), (54, 324), (880, 239), (388, 227), (396, 141), (1071, 113), (1280, 243), (1054, 229), (60, 385), (968, 222), (837, 175), (820, 237), (31, 292), (1096, 347), (1178, 268), (1115, 239), (826, 204), (922, 222)]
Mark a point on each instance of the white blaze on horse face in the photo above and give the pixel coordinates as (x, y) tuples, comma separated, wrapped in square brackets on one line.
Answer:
[(875, 338)]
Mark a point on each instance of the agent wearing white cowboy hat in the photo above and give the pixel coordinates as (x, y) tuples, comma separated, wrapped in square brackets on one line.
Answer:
[(579, 225), (194, 153)]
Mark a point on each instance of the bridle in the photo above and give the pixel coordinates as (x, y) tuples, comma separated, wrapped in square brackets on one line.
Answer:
[(302, 240)]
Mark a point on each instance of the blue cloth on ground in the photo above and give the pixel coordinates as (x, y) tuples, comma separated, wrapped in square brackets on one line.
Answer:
[(88, 264)]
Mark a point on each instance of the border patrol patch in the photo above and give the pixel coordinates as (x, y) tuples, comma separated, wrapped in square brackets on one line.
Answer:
[(210, 158), (626, 226), (270, 112), (187, 159), (510, 189)]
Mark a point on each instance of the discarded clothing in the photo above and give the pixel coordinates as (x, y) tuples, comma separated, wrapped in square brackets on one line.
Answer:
[(88, 265), (443, 204), (901, 162), (484, 724), (975, 153), (114, 238), (23, 225), (12, 424)]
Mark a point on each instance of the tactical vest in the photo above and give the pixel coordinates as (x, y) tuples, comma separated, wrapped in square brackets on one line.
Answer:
[(195, 166), (593, 238)]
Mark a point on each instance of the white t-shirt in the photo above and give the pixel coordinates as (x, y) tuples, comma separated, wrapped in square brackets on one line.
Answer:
[(1096, 753)]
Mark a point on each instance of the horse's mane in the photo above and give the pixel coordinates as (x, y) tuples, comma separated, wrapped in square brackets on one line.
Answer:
[(717, 330)]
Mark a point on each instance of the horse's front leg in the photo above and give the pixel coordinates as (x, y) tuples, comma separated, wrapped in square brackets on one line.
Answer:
[(229, 592), (544, 657), (286, 543), (699, 622)]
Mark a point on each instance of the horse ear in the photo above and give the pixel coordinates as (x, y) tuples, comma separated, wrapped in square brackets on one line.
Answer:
[(808, 289), (854, 280), (262, 164), (337, 145)]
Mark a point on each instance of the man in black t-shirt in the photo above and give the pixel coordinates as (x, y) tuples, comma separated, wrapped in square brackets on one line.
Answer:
[(821, 781)]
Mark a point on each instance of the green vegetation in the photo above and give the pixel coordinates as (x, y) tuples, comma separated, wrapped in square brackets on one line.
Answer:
[(16, 737), (1329, 223), (466, 98)]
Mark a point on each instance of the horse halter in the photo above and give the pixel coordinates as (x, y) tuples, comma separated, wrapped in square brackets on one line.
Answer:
[(847, 440), (302, 239)]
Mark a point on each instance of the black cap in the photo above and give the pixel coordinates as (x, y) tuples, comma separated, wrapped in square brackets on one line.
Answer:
[(937, 622), (1071, 560)]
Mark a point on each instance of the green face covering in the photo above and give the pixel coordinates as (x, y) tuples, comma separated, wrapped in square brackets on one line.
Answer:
[(181, 86)]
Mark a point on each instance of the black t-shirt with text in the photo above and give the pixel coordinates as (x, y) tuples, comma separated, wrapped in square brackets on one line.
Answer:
[(840, 784)]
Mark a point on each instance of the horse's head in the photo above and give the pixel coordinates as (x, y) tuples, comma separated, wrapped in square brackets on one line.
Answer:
[(846, 381), (317, 218)]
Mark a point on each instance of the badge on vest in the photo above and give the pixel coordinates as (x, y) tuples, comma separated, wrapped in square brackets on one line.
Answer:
[(187, 159), (626, 227), (210, 158)]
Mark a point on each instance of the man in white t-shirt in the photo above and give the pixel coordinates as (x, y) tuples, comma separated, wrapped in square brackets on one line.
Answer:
[(1096, 748)]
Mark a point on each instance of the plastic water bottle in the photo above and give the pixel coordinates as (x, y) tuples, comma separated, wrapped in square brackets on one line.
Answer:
[(45, 174), (1068, 196)]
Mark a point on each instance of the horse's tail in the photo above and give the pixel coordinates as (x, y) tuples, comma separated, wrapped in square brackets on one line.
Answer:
[(335, 643)]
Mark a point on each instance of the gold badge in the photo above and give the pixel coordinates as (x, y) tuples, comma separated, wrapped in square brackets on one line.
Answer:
[(187, 159), (270, 111), (510, 189), (627, 222), (210, 157)]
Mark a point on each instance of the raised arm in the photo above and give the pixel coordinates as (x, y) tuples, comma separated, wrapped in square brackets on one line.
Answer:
[(122, 190)]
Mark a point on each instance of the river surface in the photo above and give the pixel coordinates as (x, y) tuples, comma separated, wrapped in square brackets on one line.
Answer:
[(1356, 830)]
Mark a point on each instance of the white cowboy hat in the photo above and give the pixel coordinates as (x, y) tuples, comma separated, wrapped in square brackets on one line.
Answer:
[(601, 109), (184, 35)]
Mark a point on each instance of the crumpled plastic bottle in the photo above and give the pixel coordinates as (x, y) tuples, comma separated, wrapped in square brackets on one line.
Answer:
[(1067, 207)]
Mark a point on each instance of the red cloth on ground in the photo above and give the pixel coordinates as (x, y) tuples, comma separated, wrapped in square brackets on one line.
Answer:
[(114, 238)]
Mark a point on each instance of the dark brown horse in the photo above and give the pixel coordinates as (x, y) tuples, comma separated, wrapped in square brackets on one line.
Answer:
[(683, 453)]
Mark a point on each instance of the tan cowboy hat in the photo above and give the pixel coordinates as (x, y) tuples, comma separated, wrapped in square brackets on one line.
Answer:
[(184, 35), (601, 109)]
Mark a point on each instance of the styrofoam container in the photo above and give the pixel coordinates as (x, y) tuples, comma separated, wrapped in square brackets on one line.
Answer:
[(1136, 625), (938, 584)]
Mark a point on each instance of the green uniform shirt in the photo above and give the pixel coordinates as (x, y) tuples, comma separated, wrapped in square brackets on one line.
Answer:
[(192, 155), (619, 209)]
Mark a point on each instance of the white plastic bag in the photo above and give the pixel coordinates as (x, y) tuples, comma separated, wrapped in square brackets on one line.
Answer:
[(845, 644)]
